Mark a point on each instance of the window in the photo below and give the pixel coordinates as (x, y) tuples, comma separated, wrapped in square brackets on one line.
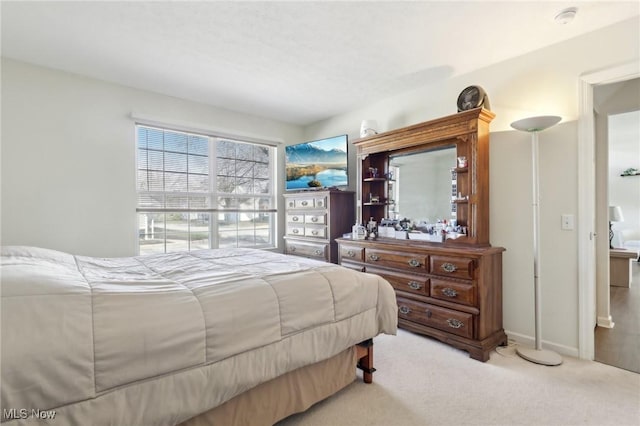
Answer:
[(198, 191)]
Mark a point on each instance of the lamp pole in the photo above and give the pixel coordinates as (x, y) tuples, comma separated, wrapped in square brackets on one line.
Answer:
[(534, 125)]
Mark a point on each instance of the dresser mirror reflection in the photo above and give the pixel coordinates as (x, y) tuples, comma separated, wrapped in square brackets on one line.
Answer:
[(423, 185)]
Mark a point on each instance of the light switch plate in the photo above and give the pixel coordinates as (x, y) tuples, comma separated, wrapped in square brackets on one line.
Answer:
[(567, 222)]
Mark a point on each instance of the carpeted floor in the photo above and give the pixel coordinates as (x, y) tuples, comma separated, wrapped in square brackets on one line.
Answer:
[(422, 382)]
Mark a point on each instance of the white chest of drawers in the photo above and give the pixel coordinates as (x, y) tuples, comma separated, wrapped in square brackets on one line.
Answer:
[(314, 219)]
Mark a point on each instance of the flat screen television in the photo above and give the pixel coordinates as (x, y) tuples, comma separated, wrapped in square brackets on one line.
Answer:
[(317, 164)]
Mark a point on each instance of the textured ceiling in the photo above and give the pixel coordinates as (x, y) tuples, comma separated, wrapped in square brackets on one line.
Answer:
[(297, 62)]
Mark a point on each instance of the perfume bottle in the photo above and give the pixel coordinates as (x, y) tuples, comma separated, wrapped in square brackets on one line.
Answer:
[(358, 232)]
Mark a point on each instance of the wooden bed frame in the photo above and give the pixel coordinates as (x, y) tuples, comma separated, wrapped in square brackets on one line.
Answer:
[(364, 353), (292, 393)]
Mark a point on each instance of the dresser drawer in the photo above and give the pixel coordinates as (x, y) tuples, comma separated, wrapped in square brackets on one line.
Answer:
[(405, 282), (304, 203), (315, 231), (348, 252), (295, 218), (295, 231), (355, 266), (406, 261), (453, 291), (307, 249), (319, 219), (320, 202), (449, 320), (291, 203), (458, 267)]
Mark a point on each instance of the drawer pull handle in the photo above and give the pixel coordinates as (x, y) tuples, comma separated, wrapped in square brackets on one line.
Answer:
[(404, 310), (454, 323), (314, 219), (449, 292), (351, 253), (295, 218), (414, 263), (291, 204), (318, 252), (292, 248), (374, 257), (314, 232), (428, 312), (295, 231), (449, 267), (304, 203), (320, 203), (414, 285)]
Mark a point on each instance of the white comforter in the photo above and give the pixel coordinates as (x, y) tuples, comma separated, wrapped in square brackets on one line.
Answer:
[(155, 340)]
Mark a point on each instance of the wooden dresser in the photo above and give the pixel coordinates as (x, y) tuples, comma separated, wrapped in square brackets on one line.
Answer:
[(452, 294), (447, 276), (314, 219)]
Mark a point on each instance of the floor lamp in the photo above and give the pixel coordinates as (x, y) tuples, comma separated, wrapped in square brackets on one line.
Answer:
[(534, 125)]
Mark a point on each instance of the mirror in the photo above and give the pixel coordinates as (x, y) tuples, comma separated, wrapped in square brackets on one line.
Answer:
[(423, 186)]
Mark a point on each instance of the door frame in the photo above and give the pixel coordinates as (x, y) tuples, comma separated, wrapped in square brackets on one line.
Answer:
[(587, 286)]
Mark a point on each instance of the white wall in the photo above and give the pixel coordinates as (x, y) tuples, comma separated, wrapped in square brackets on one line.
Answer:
[(544, 82), (68, 156)]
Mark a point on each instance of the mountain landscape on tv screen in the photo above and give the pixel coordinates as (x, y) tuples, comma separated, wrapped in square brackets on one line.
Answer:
[(306, 162), (306, 153)]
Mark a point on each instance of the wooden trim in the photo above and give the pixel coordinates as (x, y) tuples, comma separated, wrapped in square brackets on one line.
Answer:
[(440, 129), (587, 258)]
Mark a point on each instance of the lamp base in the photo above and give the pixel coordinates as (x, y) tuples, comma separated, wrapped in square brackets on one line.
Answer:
[(610, 236), (539, 356)]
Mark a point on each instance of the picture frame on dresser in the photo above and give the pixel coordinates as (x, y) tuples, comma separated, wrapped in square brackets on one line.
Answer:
[(447, 288)]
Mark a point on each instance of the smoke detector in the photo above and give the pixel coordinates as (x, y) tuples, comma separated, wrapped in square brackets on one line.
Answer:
[(566, 15)]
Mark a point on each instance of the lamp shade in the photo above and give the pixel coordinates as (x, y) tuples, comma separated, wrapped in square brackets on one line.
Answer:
[(536, 124), (615, 214), (368, 128)]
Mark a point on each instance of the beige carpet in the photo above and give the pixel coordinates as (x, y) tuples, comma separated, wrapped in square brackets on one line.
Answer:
[(422, 382)]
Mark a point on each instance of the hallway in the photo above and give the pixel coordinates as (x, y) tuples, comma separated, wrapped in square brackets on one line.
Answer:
[(620, 346)]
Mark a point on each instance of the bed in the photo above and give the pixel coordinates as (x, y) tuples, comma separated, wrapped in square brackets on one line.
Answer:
[(180, 337)]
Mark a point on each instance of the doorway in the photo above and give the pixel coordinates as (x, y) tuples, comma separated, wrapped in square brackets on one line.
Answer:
[(617, 109), (588, 224)]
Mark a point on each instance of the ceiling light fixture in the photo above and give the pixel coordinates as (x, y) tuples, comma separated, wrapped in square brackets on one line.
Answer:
[(566, 15)]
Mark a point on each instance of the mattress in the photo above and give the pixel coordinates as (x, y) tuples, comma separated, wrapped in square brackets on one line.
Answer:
[(157, 339)]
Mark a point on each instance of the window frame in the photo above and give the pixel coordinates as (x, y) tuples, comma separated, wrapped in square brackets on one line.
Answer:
[(213, 195)]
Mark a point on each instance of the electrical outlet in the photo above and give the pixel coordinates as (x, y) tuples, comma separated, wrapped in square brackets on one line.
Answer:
[(567, 222)]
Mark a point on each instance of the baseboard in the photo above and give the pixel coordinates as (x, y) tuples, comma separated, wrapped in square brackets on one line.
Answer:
[(522, 339), (606, 322)]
